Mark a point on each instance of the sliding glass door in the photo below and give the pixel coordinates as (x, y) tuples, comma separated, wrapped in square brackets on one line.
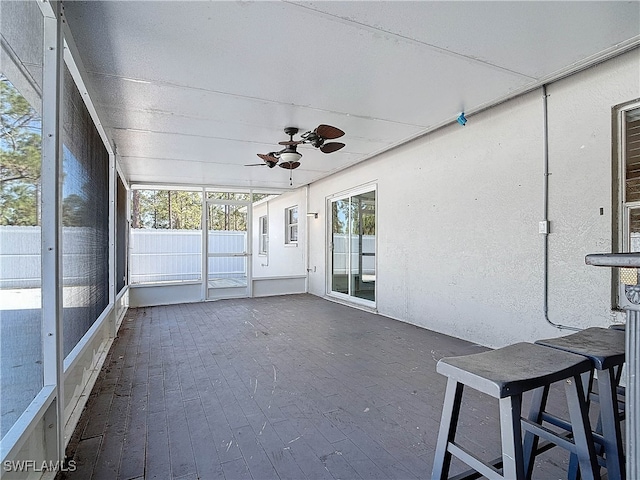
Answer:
[(353, 247)]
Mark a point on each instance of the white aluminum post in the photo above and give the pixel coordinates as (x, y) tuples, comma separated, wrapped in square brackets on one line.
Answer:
[(112, 245), (632, 393), (249, 245), (51, 177), (204, 228), (632, 359)]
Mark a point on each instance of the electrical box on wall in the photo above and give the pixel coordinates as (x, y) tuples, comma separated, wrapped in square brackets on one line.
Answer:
[(543, 227)]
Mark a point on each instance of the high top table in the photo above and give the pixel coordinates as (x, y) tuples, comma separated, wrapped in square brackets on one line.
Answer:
[(632, 359)]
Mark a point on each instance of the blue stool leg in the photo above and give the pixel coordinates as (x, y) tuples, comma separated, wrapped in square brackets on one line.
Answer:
[(587, 386), (511, 433), (447, 433), (582, 436), (538, 404), (611, 425)]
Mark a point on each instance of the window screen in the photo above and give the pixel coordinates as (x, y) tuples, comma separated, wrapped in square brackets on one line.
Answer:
[(122, 235), (85, 218)]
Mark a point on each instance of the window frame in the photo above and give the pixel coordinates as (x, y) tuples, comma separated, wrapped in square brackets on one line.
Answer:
[(263, 235), (291, 225), (624, 207), (330, 200)]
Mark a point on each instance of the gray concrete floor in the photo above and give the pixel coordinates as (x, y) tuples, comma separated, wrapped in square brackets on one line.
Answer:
[(288, 387)]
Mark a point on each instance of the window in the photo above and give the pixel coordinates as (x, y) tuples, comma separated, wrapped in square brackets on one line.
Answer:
[(630, 189), (630, 150), (264, 235), (166, 236), (291, 224)]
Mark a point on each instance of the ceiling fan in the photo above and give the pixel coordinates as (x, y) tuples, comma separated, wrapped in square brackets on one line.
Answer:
[(289, 157)]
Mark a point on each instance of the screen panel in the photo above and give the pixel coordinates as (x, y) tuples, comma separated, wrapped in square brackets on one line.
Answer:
[(85, 218)]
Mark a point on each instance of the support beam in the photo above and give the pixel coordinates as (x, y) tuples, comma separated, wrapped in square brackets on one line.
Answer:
[(52, 334)]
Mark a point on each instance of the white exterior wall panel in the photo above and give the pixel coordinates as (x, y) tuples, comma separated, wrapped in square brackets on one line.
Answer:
[(282, 260), (458, 245)]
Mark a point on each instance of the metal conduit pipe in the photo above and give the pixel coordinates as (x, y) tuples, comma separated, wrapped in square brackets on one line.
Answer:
[(260, 234), (306, 238), (545, 210)]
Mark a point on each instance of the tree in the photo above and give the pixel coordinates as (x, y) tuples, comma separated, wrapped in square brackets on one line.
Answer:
[(166, 209), (227, 217), (74, 211), (340, 216), (20, 157)]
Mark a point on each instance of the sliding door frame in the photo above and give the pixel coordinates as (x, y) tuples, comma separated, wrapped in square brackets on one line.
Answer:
[(348, 297)]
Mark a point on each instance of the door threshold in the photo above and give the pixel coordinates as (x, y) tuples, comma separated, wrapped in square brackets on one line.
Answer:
[(347, 303)]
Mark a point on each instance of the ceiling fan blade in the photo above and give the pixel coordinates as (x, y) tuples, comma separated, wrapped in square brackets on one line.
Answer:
[(328, 132), (290, 165), (268, 158), (290, 143), (255, 164), (331, 147)]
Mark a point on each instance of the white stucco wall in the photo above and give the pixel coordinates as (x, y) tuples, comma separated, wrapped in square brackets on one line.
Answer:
[(458, 245), (282, 260)]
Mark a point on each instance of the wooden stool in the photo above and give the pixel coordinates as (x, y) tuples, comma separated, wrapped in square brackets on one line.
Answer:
[(604, 347), (505, 374)]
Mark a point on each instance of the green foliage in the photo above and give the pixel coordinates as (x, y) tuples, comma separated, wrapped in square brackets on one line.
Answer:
[(74, 211), (340, 216), (359, 210), (166, 209), (228, 218), (180, 210), (368, 223), (20, 158)]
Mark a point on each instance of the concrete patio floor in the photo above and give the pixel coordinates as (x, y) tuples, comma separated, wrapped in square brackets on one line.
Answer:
[(287, 387)]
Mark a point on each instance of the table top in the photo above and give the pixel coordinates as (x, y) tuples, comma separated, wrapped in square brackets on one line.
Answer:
[(629, 260)]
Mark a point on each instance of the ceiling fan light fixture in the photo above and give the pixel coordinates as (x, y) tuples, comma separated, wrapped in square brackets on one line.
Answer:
[(290, 157)]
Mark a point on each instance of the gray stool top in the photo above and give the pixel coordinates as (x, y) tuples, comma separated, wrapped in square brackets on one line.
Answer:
[(603, 346), (513, 369)]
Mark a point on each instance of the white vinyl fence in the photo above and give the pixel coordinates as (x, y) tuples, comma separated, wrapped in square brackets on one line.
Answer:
[(340, 244), (176, 255), (20, 255), (155, 255)]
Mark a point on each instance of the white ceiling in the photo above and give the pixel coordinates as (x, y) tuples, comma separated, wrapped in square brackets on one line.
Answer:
[(191, 91)]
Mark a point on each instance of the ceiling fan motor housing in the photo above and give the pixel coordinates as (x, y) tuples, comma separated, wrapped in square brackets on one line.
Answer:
[(315, 140)]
